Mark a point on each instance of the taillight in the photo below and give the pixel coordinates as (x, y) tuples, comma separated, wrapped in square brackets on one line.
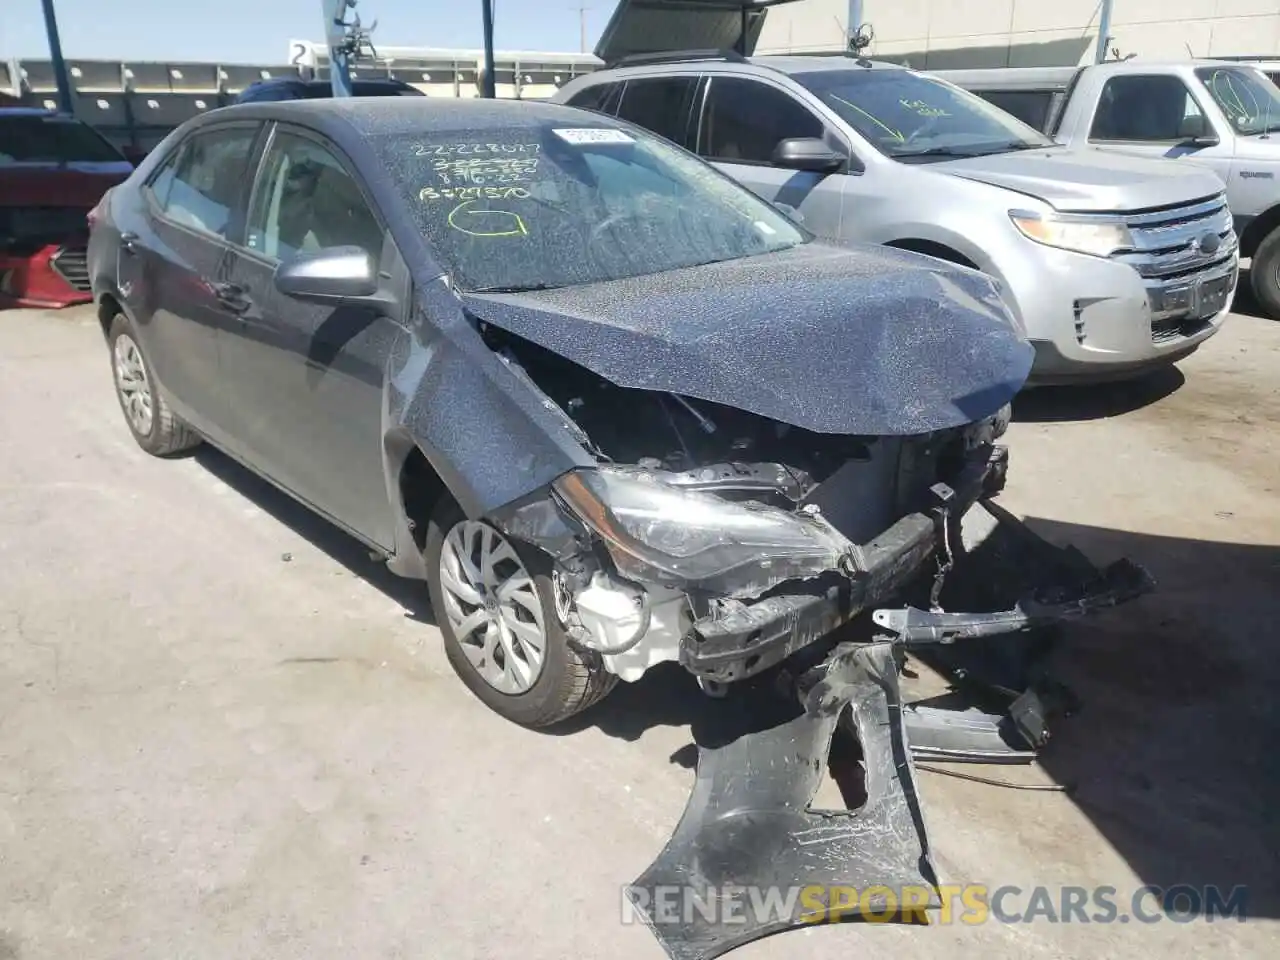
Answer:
[(94, 215)]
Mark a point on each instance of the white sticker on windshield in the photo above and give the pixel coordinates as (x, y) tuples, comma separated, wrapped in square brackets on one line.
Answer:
[(764, 228), (593, 135)]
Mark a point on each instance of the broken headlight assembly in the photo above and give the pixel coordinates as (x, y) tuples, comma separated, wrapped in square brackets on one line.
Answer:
[(657, 531)]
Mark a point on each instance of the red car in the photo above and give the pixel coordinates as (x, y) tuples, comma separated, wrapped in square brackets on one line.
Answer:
[(53, 170)]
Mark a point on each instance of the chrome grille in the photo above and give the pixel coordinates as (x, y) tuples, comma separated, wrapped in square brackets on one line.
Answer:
[(70, 263), (1181, 242)]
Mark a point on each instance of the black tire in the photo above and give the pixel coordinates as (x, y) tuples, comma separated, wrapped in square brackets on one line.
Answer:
[(572, 679), (168, 435), (1264, 275)]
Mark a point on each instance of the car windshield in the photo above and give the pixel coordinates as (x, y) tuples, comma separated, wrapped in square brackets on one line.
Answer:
[(909, 116), (34, 138), (1250, 101), (557, 204)]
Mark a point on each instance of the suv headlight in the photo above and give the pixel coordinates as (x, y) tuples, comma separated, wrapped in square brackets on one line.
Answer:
[(1099, 238), (649, 525)]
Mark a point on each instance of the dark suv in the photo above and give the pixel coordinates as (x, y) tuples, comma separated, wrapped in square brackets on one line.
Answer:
[(298, 88)]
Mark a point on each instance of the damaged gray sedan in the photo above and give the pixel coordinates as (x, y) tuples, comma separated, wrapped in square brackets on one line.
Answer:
[(614, 409)]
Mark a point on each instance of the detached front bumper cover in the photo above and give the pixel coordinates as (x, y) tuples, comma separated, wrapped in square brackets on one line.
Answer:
[(748, 824)]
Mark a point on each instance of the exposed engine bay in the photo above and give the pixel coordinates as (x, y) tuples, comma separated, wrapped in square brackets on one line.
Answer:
[(708, 446), (857, 517)]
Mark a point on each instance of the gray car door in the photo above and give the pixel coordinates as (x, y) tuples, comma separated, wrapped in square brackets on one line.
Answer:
[(742, 122), (171, 265), (307, 379)]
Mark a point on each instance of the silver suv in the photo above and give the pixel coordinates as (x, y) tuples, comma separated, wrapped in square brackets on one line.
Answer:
[(1114, 264)]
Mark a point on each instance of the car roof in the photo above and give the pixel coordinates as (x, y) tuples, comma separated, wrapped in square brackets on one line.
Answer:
[(1136, 65), (316, 82), (820, 64), (373, 116), (790, 65)]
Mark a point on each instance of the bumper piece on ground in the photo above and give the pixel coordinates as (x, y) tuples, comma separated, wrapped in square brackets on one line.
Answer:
[(1124, 580), (748, 821)]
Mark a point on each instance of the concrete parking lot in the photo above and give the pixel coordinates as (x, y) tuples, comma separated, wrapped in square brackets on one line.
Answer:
[(225, 732)]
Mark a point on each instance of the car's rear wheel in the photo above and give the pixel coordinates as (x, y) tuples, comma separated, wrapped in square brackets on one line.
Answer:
[(150, 420), (493, 601)]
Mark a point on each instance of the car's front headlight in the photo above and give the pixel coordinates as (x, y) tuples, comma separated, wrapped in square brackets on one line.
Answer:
[(1099, 238), (650, 526)]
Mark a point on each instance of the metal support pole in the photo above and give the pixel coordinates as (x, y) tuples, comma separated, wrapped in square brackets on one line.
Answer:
[(1104, 31), (60, 74), (490, 82), (855, 21), (335, 33)]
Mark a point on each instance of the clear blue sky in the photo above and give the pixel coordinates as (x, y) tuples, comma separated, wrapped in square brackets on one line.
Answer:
[(260, 30)]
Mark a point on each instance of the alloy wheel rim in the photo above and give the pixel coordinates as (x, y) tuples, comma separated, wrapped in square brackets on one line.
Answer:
[(492, 605), (133, 386)]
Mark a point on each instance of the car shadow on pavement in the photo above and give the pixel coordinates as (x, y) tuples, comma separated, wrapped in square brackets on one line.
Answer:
[(319, 532), (1096, 401), (1172, 755)]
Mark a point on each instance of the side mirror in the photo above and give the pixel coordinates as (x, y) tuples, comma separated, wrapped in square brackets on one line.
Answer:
[(1196, 131), (807, 153), (333, 275)]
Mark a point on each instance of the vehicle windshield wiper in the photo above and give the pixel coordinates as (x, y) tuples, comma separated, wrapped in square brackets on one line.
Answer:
[(984, 151), (1023, 145), (514, 288), (935, 152)]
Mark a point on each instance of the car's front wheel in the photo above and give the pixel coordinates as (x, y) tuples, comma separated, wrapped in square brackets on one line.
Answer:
[(1264, 275), (493, 601), (150, 420)]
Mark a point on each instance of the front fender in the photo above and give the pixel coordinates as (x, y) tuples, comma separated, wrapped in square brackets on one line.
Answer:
[(934, 233), (489, 434)]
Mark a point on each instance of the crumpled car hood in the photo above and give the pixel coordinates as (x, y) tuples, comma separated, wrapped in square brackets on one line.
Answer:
[(831, 338)]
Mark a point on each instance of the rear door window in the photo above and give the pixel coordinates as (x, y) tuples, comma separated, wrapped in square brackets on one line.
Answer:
[(38, 138), (744, 120), (600, 97), (662, 105), (207, 180)]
